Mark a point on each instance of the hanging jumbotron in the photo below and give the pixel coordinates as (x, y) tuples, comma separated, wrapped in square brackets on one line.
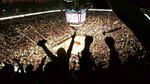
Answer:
[(75, 15)]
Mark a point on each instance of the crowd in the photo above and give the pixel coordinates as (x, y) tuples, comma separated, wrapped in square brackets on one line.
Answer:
[(57, 70), (112, 53), (19, 36), (25, 8)]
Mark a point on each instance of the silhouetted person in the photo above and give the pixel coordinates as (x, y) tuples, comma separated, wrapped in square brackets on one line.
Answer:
[(25, 76), (20, 68), (146, 70), (100, 74), (29, 69), (39, 71), (59, 63), (86, 63), (136, 69), (20, 73), (132, 65), (29, 75), (6, 74), (52, 70), (114, 61), (135, 19)]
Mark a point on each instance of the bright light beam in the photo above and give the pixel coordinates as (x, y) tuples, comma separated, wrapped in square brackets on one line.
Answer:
[(51, 11), (147, 16), (29, 14), (107, 10)]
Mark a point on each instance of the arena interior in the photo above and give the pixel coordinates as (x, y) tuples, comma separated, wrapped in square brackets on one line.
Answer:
[(19, 36)]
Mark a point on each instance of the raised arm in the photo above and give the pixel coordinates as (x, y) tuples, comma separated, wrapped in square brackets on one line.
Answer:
[(40, 68), (41, 43), (20, 66), (71, 45)]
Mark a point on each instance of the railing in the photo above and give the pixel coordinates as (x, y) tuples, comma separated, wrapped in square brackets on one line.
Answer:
[(51, 11)]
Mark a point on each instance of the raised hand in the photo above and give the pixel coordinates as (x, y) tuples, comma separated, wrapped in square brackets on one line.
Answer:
[(41, 42)]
